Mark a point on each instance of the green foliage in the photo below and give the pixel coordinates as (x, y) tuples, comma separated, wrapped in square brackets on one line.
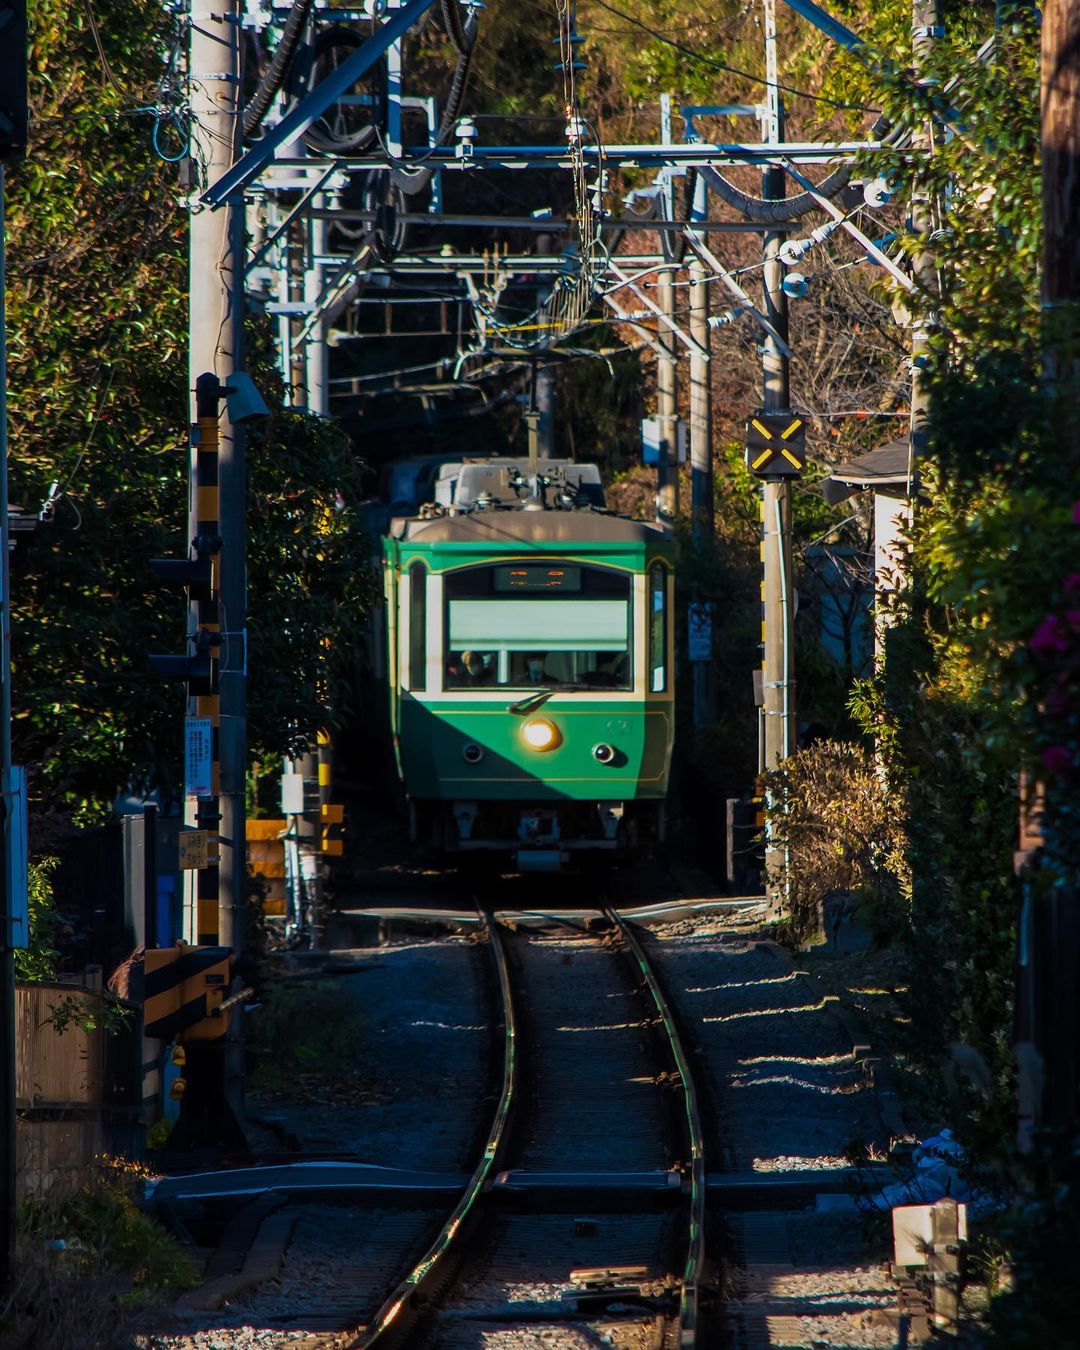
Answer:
[(75, 1010), (84, 1264), (96, 321), (306, 1028), (97, 312), (38, 960)]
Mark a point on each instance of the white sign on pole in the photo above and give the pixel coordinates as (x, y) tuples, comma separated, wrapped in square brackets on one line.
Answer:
[(651, 440), (198, 757), (699, 630)]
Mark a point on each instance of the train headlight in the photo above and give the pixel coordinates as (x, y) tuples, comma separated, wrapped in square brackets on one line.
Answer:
[(604, 753), (540, 734), (473, 753)]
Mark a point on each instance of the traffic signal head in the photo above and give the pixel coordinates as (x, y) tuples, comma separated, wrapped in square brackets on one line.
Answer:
[(196, 574)]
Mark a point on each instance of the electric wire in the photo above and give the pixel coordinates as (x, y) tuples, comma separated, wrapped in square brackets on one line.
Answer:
[(730, 70), (259, 104)]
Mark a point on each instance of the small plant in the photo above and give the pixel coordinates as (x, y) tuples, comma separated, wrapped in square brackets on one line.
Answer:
[(305, 1027), (841, 832), (85, 1264), (81, 1010), (37, 961)]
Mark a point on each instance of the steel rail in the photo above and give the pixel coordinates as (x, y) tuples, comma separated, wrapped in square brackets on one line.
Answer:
[(695, 1257), (407, 1296)]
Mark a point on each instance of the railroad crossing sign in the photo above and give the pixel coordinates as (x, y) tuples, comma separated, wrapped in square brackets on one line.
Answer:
[(776, 443)]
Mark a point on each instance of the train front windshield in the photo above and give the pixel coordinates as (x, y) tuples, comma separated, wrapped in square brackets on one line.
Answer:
[(524, 625)]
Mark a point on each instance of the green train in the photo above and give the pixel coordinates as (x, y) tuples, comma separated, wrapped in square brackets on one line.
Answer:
[(531, 668)]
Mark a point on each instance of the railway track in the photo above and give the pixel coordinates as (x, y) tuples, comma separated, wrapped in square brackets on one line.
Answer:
[(584, 1218), (582, 1221)]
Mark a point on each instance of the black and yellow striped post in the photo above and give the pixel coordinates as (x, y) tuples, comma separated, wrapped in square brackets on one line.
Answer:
[(203, 922)]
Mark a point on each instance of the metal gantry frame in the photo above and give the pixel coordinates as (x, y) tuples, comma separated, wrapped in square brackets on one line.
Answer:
[(293, 196)]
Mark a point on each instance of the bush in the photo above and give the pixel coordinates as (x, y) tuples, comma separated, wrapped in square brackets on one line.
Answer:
[(305, 1028), (85, 1263), (841, 829)]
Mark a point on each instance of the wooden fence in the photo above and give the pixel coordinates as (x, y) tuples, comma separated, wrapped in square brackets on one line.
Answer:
[(64, 1064)]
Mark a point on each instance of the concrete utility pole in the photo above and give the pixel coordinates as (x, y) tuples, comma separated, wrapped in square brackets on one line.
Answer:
[(777, 593), (7, 907), (1061, 201), (216, 306), (545, 411), (926, 29), (667, 366), (701, 468)]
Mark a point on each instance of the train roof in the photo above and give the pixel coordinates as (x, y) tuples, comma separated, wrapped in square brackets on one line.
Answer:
[(487, 528)]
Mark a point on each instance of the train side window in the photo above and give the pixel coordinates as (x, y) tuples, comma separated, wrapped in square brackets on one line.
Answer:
[(657, 628), (417, 626)]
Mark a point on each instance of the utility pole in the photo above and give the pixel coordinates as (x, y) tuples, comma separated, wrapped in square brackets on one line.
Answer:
[(216, 896), (1061, 205), (926, 29), (701, 469), (1048, 1048), (667, 474), (777, 595), (667, 402), (7, 909)]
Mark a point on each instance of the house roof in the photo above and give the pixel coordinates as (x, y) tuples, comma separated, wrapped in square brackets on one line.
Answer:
[(884, 470), (886, 465)]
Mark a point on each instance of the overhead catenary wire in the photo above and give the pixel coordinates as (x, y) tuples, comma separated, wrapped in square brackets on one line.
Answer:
[(722, 65)]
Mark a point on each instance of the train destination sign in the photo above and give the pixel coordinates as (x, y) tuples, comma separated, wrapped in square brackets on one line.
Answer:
[(537, 577), (776, 443)]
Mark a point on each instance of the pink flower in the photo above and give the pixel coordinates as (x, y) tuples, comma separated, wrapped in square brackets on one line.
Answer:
[(1056, 759), (1048, 638)]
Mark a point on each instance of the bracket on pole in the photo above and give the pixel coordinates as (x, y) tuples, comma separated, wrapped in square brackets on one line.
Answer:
[(708, 256), (691, 343), (310, 108), (872, 249)]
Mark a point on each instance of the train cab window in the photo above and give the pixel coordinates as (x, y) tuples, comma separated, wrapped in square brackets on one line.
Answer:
[(417, 626), (537, 624), (657, 616)]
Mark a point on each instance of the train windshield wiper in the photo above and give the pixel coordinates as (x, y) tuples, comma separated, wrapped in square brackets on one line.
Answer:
[(531, 702)]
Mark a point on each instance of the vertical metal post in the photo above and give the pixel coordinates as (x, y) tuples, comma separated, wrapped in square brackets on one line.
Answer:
[(7, 953), (315, 354), (667, 473), (777, 594), (545, 411)]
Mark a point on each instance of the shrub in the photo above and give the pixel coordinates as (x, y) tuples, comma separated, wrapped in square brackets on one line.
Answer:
[(841, 830), (85, 1262), (304, 1027)]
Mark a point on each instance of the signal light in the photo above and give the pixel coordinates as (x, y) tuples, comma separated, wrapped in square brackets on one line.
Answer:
[(198, 670), (194, 573)]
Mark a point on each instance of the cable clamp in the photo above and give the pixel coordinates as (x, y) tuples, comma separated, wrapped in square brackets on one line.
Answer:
[(932, 30)]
